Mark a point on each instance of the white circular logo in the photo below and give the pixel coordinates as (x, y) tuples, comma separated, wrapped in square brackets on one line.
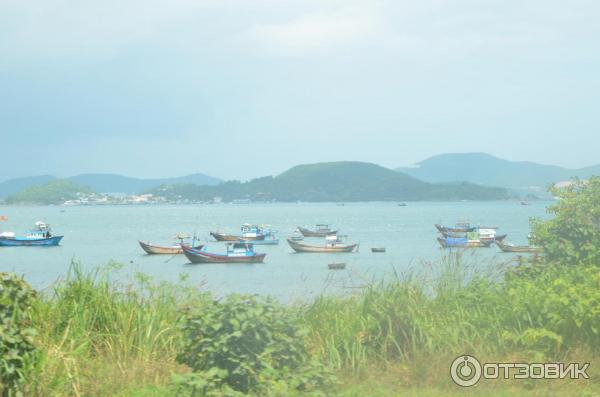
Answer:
[(465, 371)]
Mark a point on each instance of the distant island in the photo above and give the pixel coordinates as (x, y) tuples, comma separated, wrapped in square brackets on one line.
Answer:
[(446, 177), (105, 183), (482, 168), (332, 182)]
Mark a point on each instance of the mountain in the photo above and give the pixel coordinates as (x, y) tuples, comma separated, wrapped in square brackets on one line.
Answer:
[(112, 183), (488, 170), (54, 192), (16, 185), (106, 183), (337, 181)]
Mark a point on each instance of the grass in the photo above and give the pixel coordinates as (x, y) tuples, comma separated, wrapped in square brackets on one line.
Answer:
[(98, 338)]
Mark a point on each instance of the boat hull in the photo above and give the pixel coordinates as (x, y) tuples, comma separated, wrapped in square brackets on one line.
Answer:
[(21, 242), (197, 256), (444, 229), (299, 247), (518, 248), (468, 244), (230, 237), (152, 249), (311, 233)]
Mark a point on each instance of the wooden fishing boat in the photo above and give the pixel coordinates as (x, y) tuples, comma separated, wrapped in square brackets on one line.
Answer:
[(450, 242), (39, 236), (332, 244), (507, 247), (458, 228), (378, 249), (236, 253), (337, 265), (152, 249), (249, 233), (321, 231)]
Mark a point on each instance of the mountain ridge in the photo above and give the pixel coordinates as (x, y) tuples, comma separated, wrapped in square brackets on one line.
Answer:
[(333, 181), (485, 169)]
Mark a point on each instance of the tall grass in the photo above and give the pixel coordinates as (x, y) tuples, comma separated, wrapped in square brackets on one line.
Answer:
[(97, 336)]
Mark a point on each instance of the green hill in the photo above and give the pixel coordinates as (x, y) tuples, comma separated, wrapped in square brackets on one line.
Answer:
[(488, 170), (54, 192), (336, 181), (15, 185), (113, 183)]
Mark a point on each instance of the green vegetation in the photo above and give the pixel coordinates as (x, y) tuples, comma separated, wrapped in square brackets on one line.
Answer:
[(54, 192), (339, 181), (573, 235), (97, 338), (16, 333)]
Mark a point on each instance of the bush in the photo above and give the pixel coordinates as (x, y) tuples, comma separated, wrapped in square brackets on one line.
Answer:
[(246, 344), (16, 332), (573, 235)]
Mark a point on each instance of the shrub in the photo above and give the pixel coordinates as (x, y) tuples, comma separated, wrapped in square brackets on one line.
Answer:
[(246, 344), (16, 332), (573, 235)]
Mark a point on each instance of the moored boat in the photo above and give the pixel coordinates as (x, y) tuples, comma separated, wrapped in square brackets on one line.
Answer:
[(322, 230), (39, 236), (333, 243), (270, 239), (507, 247), (463, 242), (152, 249), (249, 233), (239, 252), (378, 249), (458, 228)]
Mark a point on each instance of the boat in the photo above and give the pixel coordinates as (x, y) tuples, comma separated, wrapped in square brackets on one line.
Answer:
[(40, 235), (321, 231), (333, 243), (458, 228), (337, 265), (152, 249), (378, 249), (507, 247), (239, 252), (401, 204), (270, 239), (249, 233), (463, 242)]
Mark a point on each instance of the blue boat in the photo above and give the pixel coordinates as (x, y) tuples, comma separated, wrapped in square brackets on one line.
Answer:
[(270, 238), (40, 236)]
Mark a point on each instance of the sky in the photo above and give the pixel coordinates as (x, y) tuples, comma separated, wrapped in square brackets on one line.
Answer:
[(239, 89)]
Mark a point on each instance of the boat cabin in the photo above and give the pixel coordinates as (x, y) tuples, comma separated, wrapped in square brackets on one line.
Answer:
[(251, 231), (41, 230), (323, 228), (334, 239), (240, 249)]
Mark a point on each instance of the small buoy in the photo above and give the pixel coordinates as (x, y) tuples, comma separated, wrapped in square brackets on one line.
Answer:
[(337, 265)]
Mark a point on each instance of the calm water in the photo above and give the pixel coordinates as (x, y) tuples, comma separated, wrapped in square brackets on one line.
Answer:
[(96, 235)]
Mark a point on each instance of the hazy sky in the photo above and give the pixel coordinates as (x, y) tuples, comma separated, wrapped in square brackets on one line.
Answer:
[(239, 88)]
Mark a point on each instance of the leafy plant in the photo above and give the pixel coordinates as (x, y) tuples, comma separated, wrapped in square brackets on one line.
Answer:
[(246, 344), (16, 332), (573, 235)]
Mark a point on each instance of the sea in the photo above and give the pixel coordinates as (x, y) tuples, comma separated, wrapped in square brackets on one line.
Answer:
[(95, 236)]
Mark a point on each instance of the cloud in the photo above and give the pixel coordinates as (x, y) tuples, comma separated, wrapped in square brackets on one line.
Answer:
[(320, 31)]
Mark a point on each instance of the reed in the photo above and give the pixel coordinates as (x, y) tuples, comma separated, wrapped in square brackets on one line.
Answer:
[(97, 336)]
